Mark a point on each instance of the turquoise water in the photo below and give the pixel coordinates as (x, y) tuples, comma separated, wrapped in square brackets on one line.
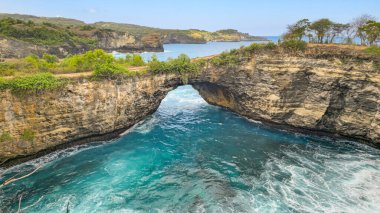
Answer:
[(192, 50), (190, 156)]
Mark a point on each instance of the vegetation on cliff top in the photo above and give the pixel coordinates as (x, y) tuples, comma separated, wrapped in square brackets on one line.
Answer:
[(41, 34), (58, 31), (34, 74), (236, 56), (326, 31), (33, 83)]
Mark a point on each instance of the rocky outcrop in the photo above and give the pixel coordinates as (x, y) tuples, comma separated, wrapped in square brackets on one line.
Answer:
[(83, 111), (125, 42), (106, 40), (329, 90), (182, 38), (12, 48), (324, 90)]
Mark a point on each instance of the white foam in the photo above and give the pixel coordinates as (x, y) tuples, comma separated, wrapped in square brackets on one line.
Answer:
[(41, 161)]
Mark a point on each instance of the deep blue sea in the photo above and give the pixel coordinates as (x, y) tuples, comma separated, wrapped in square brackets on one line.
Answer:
[(190, 156)]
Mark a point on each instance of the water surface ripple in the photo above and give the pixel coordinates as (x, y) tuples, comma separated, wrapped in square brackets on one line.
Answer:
[(193, 157)]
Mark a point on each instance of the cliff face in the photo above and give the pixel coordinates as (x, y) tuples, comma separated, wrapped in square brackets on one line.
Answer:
[(125, 42), (11, 48), (323, 90), (329, 90), (107, 40), (182, 38), (84, 110)]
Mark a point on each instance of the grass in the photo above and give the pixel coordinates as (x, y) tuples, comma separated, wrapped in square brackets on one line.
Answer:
[(41, 34), (5, 136), (236, 56), (33, 74), (180, 65), (28, 135), (373, 50), (35, 82), (294, 45)]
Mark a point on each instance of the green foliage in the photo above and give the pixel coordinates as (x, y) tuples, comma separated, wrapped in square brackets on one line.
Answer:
[(5, 137), (321, 27), (253, 48), (321, 31), (7, 69), (298, 30), (236, 56), (228, 31), (87, 61), (28, 135), (371, 31), (36, 82), (51, 59), (40, 34), (134, 60), (294, 45), (227, 58), (110, 70), (35, 62), (87, 28), (180, 65), (373, 50), (3, 83)]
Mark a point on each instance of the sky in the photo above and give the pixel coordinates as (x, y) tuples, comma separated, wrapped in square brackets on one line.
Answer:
[(257, 17)]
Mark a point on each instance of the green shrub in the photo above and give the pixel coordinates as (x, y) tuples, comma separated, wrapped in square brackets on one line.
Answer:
[(7, 69), (182, 64), (373, 50), (87, 27), (34, 62), (5, 136), (41, 81), (134, 60), (40, 34), (88, 61), (27, 135), (232, 58), (294, 45), (109, 70), (51, 59), (3, 83)]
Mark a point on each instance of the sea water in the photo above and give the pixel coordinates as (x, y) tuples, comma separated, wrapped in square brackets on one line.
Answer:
[(190, 156), (192, 50)]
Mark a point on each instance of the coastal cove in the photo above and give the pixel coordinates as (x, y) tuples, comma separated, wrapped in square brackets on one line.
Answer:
[(183, 153), (191, 155)]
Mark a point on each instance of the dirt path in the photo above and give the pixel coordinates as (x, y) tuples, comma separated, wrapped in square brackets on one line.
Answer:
[(89, 73)]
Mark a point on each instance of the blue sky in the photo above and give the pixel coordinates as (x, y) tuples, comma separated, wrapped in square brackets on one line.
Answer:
[(263, 17)]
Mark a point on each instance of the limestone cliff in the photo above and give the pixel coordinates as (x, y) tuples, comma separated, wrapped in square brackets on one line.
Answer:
[(84, 110), (12, 48), (103, 39), (326, 89), (125, 42)]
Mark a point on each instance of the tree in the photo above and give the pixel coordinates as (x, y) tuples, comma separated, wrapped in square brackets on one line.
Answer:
[(321, 28), (349, 34), (372, 31), (358, 23), (337, 29), (298, 30)]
